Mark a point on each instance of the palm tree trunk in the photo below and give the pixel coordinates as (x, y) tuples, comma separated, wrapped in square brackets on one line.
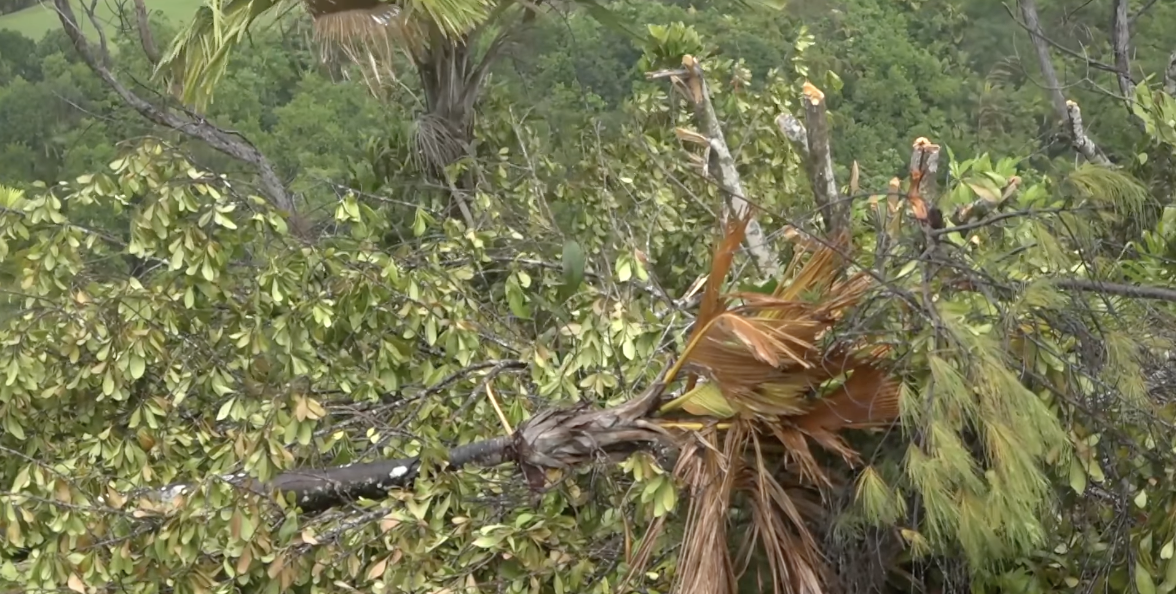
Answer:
[(453, 76)]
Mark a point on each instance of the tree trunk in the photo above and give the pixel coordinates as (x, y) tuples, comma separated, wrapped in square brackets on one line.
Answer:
[(452, 77), (1044, 61)]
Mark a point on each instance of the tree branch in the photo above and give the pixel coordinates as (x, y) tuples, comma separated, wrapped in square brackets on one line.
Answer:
[(232, 145), (1082, 143), (316, 490), (556, 438), (146, 38), (834, 210), (1133, 291), (721, 164), (1170, 75), (1032, 24), (1120, 44)]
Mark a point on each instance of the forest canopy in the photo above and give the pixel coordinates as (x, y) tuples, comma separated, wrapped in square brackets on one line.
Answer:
[(468, 296)]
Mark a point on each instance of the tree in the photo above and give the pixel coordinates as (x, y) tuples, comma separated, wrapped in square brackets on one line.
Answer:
[(990, 318), (241, 358), (451, 46)]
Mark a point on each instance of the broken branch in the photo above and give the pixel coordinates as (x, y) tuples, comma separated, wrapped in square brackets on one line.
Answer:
[(1082, 143), (721, 164), (834, 210)]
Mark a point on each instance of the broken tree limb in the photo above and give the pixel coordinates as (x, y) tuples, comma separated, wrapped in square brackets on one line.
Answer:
[(924, 166), (721, 164), (819, 164), (1067, 111), (794, 130), (1082, 143), (553, 439), (812, 141)]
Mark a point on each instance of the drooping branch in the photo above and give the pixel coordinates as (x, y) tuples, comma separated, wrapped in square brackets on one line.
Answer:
[(721, 165), (222, 140)]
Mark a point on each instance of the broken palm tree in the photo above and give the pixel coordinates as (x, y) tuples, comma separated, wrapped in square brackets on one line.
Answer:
[(770, 370)]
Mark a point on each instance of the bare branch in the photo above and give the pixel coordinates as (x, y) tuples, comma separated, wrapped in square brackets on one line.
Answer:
[(1120, 44), (721, 164), (1133, 291), (1044, 61), (1038, 34), (1143, 10), (218, 138), (834, 210), (1170, 76), (146, 38)]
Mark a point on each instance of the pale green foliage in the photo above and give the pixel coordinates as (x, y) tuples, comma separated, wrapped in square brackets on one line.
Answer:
[(239, 348)]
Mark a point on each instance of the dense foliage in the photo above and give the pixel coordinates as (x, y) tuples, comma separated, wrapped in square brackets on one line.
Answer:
[(161, 324)]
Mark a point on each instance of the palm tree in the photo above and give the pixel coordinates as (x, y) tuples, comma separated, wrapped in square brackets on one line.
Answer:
[(451, 44)]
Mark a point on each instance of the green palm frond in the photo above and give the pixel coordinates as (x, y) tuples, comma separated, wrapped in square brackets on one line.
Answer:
[(200, 53), (452, 18)]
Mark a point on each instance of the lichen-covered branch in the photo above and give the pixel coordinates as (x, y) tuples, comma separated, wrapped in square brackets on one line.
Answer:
[(1082, 143), (721, 164)]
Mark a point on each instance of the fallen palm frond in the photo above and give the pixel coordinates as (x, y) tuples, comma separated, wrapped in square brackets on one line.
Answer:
[(770, 368)]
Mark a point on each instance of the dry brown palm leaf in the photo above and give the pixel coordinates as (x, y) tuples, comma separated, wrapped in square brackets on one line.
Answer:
[(817, 273), (779, 523), (712, 300), (366, 32), (868, 398), (705, 565)]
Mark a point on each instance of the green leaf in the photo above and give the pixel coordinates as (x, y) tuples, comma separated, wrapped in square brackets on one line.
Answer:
[(137, 366), (573, 267), (1143, 580)]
